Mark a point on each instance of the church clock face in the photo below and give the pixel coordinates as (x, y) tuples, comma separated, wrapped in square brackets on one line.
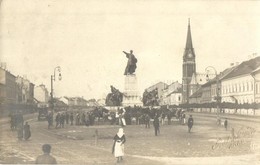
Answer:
[(190, 55)]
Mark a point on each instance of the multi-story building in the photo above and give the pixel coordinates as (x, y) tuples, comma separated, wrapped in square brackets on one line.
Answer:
[(76, 101), (196, 97), (7, 87), (256, 76), (174, 98), (41, 94), (25, 90), (171, 95), (239, 86), (209, 89)]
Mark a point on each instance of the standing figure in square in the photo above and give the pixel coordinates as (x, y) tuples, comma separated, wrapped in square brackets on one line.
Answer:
[(118, 146)]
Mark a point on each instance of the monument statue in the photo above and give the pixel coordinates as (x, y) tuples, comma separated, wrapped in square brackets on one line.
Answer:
[(114, 98), (151, 98), (131, 63)]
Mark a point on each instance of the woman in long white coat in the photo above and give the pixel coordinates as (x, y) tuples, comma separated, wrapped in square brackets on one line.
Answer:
[(118, 147)]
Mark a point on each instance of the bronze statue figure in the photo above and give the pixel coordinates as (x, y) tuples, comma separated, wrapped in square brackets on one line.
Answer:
[(131, 63), (114, 98), (151, 98)]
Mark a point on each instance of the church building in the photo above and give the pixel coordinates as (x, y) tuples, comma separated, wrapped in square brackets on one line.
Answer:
[(188, 66)]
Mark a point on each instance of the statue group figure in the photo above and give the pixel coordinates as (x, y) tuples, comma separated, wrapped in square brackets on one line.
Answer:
[(131, 63), (151, 98), (114, 98)]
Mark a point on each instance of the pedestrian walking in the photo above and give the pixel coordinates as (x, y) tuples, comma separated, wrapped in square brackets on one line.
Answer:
[(71, 118), (27, 131), (67, 117), (46, 158), (226, 123), (87, 119), (57, 119), (147, 121), (19, 122), (190, 123), (156, 124), (183, 119), (62, 120), (77, 118), (13, 122), (50, 119), (163, 118), (118, 145)]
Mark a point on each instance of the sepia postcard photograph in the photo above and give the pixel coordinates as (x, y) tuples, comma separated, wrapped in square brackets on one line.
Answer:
[(133, 82)]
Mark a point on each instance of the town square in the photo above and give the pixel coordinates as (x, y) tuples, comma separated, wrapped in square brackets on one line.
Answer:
[(130, 82)]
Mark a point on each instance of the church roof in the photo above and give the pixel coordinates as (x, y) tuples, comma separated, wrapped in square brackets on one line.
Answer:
[(189, 39), (200, 78)]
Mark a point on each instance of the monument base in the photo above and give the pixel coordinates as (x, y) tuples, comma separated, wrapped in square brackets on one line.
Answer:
[(131, 96)]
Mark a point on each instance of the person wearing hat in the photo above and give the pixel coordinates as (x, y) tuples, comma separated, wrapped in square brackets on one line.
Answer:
[(46, 158)]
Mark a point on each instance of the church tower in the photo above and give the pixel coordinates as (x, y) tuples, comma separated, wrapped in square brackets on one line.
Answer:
[(188, 66)]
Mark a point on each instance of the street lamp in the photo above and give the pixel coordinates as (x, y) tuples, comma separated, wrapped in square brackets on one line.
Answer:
[(53, 79), (217, 98)]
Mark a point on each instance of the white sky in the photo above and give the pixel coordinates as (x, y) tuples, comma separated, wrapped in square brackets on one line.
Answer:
[(86, 38)]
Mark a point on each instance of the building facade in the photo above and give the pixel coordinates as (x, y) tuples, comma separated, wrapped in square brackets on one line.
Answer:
[(41, 94), (25, 90), (256, 76), (7, 87), (239, 86), (171, 95)]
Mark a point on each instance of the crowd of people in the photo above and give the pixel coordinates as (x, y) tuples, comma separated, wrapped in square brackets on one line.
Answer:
[(123, 116)]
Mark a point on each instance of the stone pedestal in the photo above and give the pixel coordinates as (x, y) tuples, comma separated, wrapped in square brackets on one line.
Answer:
[(132, 95)]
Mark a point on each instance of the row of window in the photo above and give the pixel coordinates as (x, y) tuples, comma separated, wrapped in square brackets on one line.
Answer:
[(239, 87)]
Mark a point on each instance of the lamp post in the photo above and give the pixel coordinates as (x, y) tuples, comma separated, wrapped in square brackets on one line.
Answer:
[(53, 79), (217, 98)]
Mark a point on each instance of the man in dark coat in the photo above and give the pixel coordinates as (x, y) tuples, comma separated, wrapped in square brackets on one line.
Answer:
[(27, 131), (156, 125), (226, 123), (71, 118), (147, 121), (190, 123), (62, 120), (67, 118), (19, 122)]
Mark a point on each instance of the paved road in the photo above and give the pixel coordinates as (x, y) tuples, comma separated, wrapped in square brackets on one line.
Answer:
[(70, 151)]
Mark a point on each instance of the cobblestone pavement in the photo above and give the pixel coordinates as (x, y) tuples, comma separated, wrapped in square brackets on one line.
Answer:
[(77, 145)]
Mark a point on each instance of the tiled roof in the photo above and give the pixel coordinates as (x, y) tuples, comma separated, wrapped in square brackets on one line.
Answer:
[(197, 94), (221, 76), (245, 67)]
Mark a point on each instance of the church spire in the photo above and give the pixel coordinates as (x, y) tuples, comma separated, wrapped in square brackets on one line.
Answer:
[(189, 40)]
